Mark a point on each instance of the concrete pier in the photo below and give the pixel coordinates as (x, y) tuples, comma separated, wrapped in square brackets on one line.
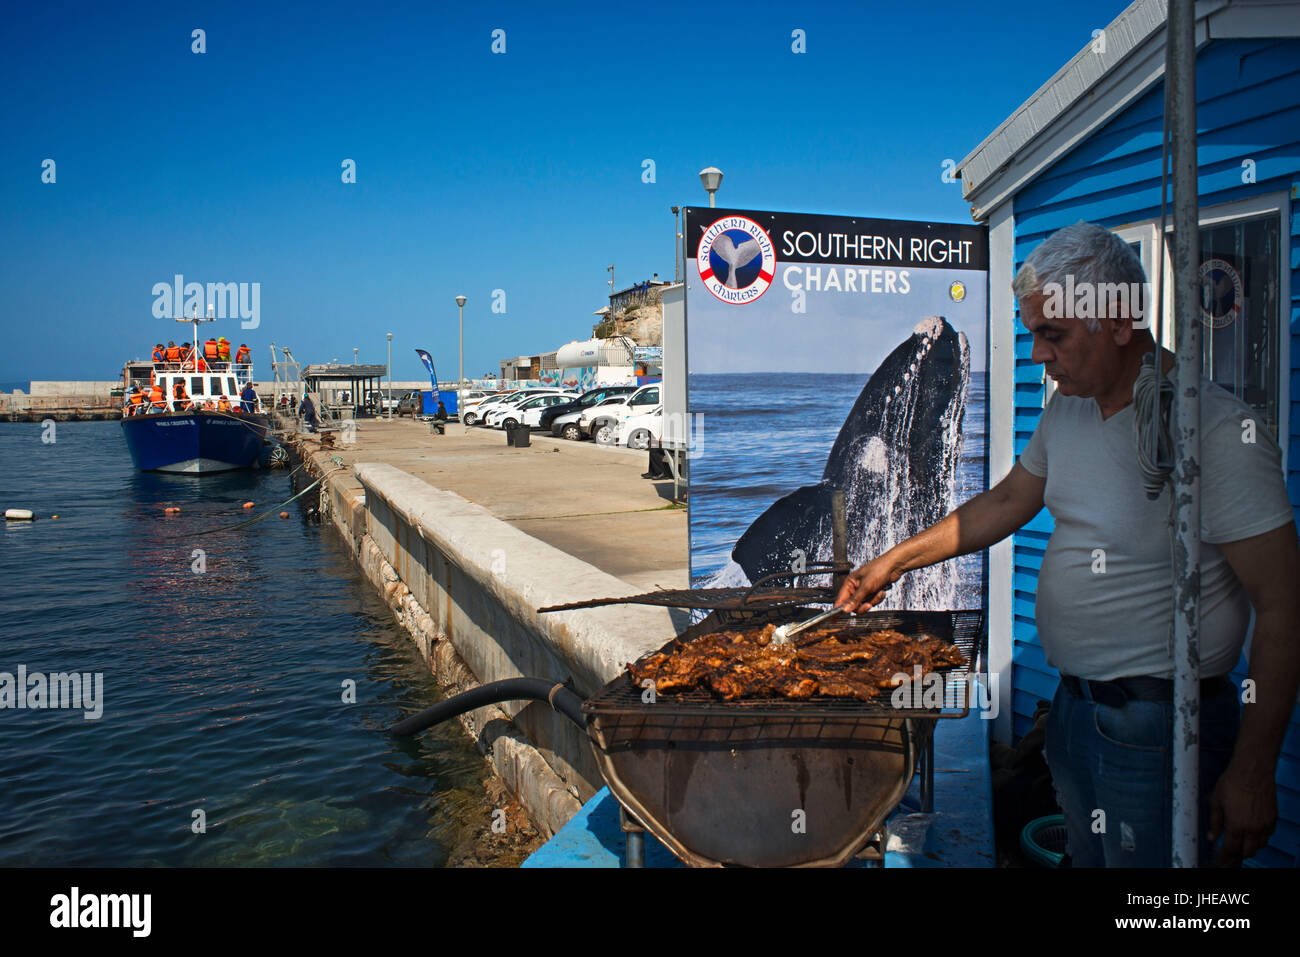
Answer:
[(466, 537)]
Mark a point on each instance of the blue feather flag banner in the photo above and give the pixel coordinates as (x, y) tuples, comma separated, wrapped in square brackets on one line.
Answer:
[(428, 364)]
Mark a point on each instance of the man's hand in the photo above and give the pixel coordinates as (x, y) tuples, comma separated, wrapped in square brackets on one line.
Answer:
[(1244, 810), (866, 585)]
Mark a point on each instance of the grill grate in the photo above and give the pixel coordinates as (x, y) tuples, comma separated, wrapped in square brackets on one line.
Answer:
[(965, 629)]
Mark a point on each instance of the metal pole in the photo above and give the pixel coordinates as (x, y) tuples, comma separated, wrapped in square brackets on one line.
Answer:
[(390, 376), (460, 383), (1180, 73)]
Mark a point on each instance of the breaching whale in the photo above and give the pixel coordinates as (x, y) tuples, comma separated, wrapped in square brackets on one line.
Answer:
[(896, 459)]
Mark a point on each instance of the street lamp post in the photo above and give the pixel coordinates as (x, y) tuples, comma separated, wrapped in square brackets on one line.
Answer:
[(390, 375), (711, 177), (460, 382)]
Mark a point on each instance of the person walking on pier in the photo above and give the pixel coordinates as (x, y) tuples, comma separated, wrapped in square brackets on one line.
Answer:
[(1109, 735), (307, 409)]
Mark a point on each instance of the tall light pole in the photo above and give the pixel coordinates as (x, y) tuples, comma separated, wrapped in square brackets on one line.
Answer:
[(355, 352), (390, 375), (610, 270), (711, 177), (460, 382)]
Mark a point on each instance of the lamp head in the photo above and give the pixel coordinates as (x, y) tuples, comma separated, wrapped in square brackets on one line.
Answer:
[(711, 177), (460, 301)]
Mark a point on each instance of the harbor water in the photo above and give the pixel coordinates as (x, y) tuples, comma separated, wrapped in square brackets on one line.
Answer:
[(230, 733)]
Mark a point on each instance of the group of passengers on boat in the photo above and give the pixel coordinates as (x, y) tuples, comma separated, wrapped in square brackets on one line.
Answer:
[(215, 356), (181, 381)]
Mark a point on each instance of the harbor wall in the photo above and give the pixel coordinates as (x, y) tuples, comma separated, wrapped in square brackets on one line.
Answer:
[(465, 586)]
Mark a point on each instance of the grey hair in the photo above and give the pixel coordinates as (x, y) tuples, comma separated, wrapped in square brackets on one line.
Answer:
[(1087, 252)]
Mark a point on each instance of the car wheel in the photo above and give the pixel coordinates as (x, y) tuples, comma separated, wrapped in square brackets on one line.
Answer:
[(509, 424), (605, 433), (572, 432), (470, 418), (640, 439)]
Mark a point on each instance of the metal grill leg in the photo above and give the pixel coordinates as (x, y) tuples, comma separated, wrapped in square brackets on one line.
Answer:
[(927, 776), (634, 837)]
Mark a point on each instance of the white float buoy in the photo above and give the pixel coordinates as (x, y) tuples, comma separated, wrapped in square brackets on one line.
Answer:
[(19, 515)]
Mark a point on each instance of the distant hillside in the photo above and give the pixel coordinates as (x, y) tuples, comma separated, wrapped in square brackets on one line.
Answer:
[(642, 321)]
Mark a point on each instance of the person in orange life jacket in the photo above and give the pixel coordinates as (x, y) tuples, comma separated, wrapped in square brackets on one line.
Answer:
[(180, 397), (244, 355), (223, 349), (223, 405), (155, 396), (210, 350), (159, 353), (135, 401), (173, 351)]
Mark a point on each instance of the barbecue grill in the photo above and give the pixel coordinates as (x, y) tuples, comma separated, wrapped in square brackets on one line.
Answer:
[(760, 783)]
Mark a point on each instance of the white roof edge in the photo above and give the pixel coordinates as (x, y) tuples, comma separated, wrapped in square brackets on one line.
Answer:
[(1089, 88)]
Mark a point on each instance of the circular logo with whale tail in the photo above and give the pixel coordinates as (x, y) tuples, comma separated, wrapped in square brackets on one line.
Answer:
[(736, 259)]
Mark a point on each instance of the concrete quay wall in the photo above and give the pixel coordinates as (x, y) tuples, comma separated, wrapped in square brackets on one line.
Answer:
[(465, 586)]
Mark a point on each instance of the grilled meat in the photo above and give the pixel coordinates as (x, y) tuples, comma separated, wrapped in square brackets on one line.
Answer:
[(828, 662)]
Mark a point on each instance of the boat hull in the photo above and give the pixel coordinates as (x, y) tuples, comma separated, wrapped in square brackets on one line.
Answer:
[(194, 443)]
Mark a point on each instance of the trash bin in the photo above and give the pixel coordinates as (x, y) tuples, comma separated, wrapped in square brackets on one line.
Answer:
[(517, 435)]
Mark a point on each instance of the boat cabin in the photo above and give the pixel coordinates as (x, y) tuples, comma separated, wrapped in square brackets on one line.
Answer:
[(201, 390)]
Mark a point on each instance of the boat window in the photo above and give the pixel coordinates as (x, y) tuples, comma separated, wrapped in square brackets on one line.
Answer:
[(196, 385), (230, 386), (214, 384)]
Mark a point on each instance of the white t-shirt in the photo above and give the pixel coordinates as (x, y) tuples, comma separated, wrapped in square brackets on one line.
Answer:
[(1107, 624)]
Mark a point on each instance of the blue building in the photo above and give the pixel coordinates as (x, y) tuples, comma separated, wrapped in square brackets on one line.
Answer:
[(1087, 146)]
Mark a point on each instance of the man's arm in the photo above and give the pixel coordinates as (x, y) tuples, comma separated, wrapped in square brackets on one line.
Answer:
[(986, 519), (1244, 807)]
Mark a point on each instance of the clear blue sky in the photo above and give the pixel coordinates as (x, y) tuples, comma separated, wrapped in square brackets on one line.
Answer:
[(475, 171)]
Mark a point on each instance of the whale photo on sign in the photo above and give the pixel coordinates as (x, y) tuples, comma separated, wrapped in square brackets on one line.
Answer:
[(875, 388), (736, 259)]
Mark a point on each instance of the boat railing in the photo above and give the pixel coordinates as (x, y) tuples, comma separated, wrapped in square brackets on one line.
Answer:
[(243, 370)]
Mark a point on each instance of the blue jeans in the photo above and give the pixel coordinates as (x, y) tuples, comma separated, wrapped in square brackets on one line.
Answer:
[(1119, 761)]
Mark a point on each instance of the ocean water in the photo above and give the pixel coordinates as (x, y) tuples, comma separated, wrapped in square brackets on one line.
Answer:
[(222, 691), (763, 435)]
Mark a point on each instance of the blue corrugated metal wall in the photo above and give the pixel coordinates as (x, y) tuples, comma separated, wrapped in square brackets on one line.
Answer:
[(1248, 96)]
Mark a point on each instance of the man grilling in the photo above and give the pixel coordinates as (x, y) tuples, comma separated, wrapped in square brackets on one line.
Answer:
[(1110, 730)]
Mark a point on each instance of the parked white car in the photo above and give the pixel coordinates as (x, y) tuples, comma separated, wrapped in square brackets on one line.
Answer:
[(473, 415), (496, 417), (641, 430), (601, 422), (529, 412)]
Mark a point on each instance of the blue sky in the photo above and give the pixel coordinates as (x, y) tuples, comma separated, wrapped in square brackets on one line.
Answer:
[(475, 171)]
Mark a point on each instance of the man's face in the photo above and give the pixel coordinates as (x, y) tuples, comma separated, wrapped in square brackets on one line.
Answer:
[(1081, 362)]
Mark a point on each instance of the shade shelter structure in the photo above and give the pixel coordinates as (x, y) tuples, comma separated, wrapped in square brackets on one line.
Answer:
[(360, 381)]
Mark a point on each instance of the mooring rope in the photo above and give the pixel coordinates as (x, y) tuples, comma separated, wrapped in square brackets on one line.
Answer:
[(275, 508)]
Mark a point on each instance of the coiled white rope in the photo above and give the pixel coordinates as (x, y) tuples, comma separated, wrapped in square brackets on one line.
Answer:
[(1153, 426)]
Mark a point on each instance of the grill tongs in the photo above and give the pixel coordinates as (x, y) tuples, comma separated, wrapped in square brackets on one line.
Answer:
[(785, 633)]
